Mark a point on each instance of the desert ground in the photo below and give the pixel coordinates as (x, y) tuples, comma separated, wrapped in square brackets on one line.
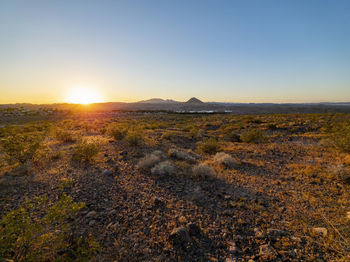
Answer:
[(138, 186)]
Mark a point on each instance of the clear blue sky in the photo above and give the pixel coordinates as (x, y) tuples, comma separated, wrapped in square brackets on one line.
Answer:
[(238, 51)]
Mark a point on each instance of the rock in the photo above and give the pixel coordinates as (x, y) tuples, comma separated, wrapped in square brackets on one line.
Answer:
[(276, 232), (158, 202), (258, 233), (230, 259), (348, 215), (182, 220), (296, 239), (266, 251), (228, 212), (179, 236), (193, 229), (320, 230), (92, 222), (91, 214), (107, 172), (232, 247)]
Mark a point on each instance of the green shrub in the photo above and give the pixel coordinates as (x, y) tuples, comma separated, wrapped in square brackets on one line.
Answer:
[(64, 136), (38, 231), (209, 146), (339, 134), (253, 136), (21, 147), (85, 152), (135, 137), (116, 131)]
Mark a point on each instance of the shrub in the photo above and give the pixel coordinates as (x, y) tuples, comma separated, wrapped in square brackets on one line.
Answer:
[(209, 146), (163, 168), (135, 137), (253, 136), (203, 171), (85, 152), (20, 148), (116, 131), (150, 160), (271, 126), (339, 134), (38, 231), (179, 154), (225, 159), (64, 136)]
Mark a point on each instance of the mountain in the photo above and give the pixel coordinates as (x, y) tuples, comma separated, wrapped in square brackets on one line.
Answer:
[(158, 101), (194, 101)]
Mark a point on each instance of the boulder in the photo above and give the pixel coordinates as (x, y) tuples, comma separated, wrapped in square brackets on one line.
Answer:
[(179, 236)]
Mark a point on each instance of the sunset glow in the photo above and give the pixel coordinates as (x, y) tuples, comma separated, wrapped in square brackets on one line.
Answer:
[(84, 95)]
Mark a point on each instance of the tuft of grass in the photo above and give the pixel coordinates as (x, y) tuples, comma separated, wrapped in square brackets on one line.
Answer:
[(203, 171), (163, 168), (225, 159), (85, 152), (179, 154), (253, 136), (149, 160), (209, 146)]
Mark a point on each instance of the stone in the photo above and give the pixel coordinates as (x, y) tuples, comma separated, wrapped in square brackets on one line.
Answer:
[(92, 222), (193, 229), (320, 230), (182, 219), (232, 247), (230, 259), (348, 215), (107, 172), (179, 236), (266, 251), (276, 232), (91, 214), (158, 202)]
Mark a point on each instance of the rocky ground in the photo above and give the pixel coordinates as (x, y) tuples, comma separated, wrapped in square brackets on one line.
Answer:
[(286, 198)]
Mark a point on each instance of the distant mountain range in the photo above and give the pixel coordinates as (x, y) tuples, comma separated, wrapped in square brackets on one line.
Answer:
[(194, 105), (191, 101)]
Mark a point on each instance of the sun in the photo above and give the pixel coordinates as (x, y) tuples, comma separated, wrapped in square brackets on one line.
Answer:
[(83, 95)]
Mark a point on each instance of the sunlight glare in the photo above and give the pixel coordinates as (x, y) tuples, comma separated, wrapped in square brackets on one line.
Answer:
[(84, 95)]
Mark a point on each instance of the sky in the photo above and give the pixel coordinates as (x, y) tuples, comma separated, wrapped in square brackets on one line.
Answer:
[(225, 51)]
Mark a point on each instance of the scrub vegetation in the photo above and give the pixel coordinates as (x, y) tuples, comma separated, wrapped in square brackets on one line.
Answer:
[(140, 186)]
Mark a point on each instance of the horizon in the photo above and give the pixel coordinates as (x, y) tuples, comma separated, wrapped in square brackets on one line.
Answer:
[(126, 51)]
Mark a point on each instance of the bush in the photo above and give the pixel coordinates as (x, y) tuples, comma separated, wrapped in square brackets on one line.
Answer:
[(135, 137), (209, 146), (20, 148), (37, 231), (179, 154), (116, 131), (203, 171), (85, 152), (163, 168), (150, 160), (64, 136), (225, 159), (253, 136), (339, 134)]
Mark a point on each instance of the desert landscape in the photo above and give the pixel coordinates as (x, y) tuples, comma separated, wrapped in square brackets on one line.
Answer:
[(140, 186), (174, 131)]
